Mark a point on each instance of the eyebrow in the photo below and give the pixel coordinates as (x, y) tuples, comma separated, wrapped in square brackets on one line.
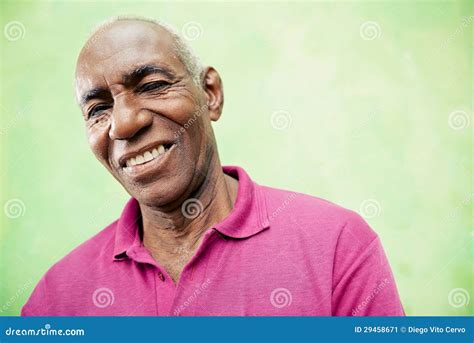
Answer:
[(131, 77), (145, 70), (98, 92)]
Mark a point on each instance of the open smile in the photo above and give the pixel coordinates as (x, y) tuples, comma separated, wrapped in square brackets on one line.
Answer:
[(141, 161)]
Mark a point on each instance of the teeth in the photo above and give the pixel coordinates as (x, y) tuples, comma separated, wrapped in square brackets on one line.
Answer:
[(146, 157)]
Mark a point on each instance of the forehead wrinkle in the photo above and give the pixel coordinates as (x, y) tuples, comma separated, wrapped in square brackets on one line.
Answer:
[(115, 29), (85, 83), (153, 60), (172, 46)]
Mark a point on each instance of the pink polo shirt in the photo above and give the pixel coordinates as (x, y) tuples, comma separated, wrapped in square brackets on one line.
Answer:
[(278, 253)]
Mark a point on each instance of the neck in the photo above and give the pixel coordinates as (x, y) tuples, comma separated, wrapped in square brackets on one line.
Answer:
[(181, 229)]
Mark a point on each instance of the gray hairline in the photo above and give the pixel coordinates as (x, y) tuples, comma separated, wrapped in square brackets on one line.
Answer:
[(183, 50)]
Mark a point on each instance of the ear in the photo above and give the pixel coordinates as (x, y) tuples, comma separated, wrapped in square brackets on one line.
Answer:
[(212, 86)]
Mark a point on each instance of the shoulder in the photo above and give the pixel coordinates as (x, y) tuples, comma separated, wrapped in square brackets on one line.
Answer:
[(62, 277), (316, 216), (98, 246)]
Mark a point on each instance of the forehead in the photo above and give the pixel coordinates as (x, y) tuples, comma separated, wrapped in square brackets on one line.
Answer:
[(122, 46)]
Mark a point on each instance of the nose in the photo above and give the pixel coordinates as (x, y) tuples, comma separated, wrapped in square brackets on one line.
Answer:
[(127, 120)]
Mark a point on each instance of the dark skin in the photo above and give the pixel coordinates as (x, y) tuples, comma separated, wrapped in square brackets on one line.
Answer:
[(135, 94)]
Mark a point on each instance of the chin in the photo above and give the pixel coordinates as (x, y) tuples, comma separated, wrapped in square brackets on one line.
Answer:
[(166, 191)]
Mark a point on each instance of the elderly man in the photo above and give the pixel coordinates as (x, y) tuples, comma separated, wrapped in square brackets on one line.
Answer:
[(197, 238)]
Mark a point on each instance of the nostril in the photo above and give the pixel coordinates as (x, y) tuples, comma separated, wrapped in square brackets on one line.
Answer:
[(129, 122)]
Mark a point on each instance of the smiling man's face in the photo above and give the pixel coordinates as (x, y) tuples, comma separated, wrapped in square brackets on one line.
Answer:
[(137, 96)]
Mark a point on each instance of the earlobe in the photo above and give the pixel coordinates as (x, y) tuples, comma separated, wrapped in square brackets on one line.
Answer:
[(213, 88)]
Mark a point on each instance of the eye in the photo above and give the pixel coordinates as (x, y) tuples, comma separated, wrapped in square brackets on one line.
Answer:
[(97, 109), (152, 86)]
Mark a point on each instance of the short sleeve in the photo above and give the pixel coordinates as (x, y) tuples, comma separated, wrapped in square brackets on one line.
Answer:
[(363, 282)]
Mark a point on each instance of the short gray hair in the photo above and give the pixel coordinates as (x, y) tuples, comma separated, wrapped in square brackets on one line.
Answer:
[(183, 50)]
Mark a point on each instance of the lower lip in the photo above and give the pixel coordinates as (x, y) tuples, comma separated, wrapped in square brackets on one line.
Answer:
[(152, 165)]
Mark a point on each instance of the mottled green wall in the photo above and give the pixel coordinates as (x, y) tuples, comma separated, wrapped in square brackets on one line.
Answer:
[(366, 104)]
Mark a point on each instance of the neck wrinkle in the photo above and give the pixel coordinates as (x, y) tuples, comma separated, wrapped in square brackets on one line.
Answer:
[(172, 231)]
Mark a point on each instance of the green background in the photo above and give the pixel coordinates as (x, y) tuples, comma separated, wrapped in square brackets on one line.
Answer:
[(387, 119)]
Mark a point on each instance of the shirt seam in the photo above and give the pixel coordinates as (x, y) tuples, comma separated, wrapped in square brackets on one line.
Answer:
[(366, 249), (156, 292), (334, 260), (257, 198)]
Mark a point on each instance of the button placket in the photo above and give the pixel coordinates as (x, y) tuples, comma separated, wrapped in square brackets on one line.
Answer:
[(164, 291)]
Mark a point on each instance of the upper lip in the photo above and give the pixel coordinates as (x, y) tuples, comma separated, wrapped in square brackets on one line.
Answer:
[(123, 159)]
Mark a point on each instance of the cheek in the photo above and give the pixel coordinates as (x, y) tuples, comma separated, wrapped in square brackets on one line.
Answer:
[(191, 120), (98, 142), (197, 143), (180, 106)]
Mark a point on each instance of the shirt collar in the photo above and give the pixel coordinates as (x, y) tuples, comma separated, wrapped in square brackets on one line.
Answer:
[(249, 215), (247, 218), (127, 234)]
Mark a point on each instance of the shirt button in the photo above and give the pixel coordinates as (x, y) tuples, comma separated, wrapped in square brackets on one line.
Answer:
[(161, 276)]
